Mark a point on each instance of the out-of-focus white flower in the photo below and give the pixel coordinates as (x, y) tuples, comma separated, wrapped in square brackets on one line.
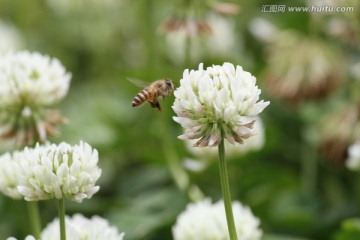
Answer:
[(9, 176), (355, 71), (353, 161), (214, 37), (30, 84), (10, 39), (79, 227), (263, 29), (225, 8), (321, 3), (29, 237), (335, 130), (329, 6), (31, 79), (301, 67), (58, 171), (63, 6), (204, 221), (219, 100)]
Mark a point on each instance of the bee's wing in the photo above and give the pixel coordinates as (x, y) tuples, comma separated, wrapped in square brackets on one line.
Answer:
[(138, 82)]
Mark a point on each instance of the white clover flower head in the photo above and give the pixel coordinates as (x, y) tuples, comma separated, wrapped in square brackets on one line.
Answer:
[(263, 30), (301, 67), (66, 6), (10, 37), (29, 237), (353, 161), (218, 40), (79, 227), (204, 220), (58, 171), (220, 101), (31, 79), (30, 84), (9, 176)]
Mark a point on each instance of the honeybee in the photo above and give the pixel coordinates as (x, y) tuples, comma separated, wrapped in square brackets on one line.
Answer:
[(151, 93)]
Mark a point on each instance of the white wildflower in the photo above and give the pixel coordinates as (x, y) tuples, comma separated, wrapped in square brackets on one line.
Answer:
[(79, 227), (300, 67), (29, 237), (9, 176), (31, 79), (220, 39), (10, 39), (355, 71), (58, 171), (353, 161), (65, 6), (219, 100), (30, 84), (263, 30), (204, 221)]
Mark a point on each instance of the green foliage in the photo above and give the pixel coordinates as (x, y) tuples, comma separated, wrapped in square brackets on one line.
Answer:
[(350, 229)]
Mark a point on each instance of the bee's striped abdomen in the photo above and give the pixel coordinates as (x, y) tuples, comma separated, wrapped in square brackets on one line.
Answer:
[(140, 98)]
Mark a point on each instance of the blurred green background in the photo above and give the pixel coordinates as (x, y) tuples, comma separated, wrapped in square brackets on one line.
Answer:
[(296, 183)]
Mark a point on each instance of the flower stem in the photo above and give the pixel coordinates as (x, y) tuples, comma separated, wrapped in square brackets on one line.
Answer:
[(61, 209), (149, 30), (309, 168), (187, 50), (34, 216), (226, 191)]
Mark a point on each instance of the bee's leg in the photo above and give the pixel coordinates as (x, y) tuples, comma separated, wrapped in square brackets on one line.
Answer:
[(155, 104)]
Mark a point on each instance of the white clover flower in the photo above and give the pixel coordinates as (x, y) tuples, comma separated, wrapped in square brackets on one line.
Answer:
[(10, 38), (301, 67), (79, 227), (29, 237), (58, 171), (263, 30), (64, 6), (30, 84), (31, 79), (219, 40), (353, 161), (9, 176), (204, 221), (355, 71), (215, 101)]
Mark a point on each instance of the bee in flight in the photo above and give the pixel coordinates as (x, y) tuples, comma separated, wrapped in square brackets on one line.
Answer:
[(151, 93)]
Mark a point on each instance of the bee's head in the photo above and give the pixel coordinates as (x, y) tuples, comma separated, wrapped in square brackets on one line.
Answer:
[(169, 84)]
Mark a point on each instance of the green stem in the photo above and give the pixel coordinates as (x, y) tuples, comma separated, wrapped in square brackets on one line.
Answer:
[(187, 57), (61, 208), (308, 171), (34, 216), (149, 30), (226, 191)]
